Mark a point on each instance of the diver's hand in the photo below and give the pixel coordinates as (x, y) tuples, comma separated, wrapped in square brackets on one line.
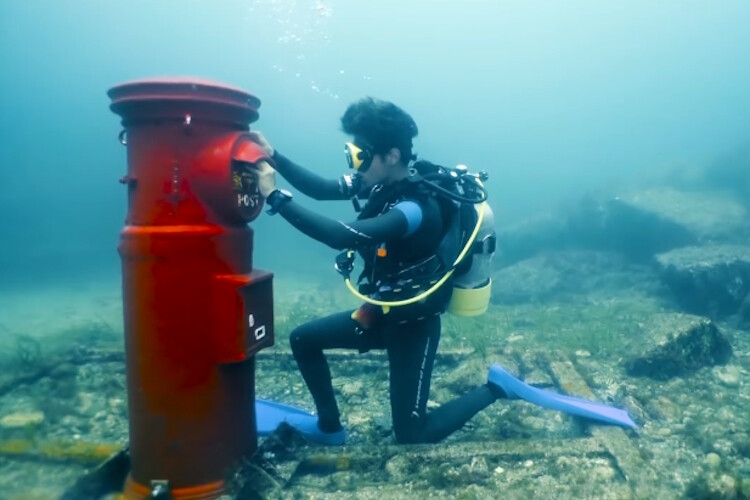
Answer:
[(261, 140), (266, 178)]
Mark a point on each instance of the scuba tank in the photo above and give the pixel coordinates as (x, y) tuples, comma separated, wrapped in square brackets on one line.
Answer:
[(472, 284)]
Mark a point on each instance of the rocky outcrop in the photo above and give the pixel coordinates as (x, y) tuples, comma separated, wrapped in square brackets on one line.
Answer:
[(675, 345), (712, 280), (620, 226), (638, 225)]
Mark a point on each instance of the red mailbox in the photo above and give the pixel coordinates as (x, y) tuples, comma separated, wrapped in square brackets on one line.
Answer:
[(195, 310)]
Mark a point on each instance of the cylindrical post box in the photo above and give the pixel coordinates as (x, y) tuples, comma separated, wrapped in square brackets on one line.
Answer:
[(195, 310)]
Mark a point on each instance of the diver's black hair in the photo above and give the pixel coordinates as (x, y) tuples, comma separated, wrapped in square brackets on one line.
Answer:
[(382, 124)]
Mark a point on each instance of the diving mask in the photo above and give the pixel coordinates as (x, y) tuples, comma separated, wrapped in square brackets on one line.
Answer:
[(358, 158)]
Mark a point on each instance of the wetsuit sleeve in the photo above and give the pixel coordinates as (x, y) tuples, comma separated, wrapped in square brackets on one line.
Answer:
[(308, 182), (392, 225)]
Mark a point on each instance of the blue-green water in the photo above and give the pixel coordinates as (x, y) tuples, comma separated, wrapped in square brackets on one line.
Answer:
[(554, 100)]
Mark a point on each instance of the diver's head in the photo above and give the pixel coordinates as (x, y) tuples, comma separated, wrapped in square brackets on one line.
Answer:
[(381, 148)]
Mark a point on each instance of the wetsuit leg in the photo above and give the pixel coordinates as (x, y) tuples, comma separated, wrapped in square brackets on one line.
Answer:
[(308, 342), (411, 351)]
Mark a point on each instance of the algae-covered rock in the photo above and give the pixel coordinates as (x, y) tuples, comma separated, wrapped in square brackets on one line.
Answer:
[(711, 279), (676, 344), (714, 485)]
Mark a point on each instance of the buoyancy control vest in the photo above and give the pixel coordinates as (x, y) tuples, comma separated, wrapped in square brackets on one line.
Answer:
[(458, 254)]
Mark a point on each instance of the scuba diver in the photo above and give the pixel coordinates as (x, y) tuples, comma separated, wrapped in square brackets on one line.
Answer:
[(419, 224), (397, 232)]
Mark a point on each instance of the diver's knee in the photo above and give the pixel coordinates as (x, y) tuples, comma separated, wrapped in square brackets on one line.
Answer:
[(302, 340), (297, 338)]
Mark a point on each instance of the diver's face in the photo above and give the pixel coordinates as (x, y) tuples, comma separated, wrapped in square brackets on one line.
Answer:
[(376, 174), (384, 169)]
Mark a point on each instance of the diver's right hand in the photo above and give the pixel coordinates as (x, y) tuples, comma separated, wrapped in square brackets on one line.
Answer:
[(261, 140), (266, 176)]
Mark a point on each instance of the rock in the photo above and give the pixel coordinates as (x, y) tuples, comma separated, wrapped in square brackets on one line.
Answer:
[(726, 486), (535, 423), (352, 389), (664, 432), (728, 375), (636, 226), (712, 280), (676, 344), (712, 461), (20, 420), (539, 378), (464, 376), (85, 402), (662, 408), (745, 487), (713, 485), (479, 466), (116, 403), (706, 216), (723, 446), (603, 473)]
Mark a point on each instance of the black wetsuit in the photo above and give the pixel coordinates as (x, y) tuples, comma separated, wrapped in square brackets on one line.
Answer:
[(409, 334)]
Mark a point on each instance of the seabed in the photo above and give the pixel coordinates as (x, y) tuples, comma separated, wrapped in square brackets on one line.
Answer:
[(63, 405)]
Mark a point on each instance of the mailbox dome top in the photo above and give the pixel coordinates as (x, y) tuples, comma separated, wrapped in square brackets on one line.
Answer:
[(174, 97)]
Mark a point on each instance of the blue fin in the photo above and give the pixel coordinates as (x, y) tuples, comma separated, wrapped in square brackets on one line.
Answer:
[(269, 415), (516, 389)]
